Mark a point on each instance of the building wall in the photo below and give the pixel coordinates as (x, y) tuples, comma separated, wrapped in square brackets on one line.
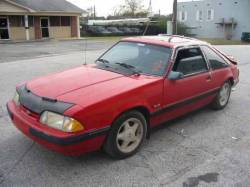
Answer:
[(226, 9), (37, 27), (60, 32), (73, 26), (32, 33), (17, 33), (17, 28)]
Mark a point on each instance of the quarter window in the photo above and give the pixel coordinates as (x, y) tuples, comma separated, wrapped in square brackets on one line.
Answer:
[(190, 61), (215, 60)]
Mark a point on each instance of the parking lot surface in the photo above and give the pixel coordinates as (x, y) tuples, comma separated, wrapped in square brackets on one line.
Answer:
[(205, 148), (21, 51)]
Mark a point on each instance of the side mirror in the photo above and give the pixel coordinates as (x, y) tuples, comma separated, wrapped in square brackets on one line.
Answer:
[(174, 75)]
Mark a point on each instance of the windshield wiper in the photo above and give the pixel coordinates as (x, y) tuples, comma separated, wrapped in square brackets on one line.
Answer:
[(102, 60), (130, 67)]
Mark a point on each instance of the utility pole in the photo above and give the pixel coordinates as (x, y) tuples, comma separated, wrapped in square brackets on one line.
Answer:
[(174, 19), (150, 15), (94, 12)]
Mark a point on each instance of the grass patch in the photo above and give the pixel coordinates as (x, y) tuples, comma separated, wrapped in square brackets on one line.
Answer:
[(218, 41)]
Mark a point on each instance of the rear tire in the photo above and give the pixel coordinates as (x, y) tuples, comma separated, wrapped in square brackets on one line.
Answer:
[(222, 98), (126, 135)]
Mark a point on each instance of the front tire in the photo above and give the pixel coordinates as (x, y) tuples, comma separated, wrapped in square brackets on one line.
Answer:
[(222, 98), (126, 135)]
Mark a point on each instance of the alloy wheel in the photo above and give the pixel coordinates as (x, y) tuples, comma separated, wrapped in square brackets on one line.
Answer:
[(224, 94), (129, 135)]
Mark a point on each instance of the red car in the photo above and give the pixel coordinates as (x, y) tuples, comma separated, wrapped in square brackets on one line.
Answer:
[(112, 104)]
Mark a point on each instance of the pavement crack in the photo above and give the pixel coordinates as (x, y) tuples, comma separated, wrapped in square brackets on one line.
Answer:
[(178, 133), (145, 160), (2, 112), (191, 139), (17, 162)]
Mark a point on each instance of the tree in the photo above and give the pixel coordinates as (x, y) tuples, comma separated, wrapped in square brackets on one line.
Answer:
[(182, 29), (133, 6), (130, 8)]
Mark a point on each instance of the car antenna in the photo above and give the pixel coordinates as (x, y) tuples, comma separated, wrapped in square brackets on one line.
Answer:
[(85, 51)]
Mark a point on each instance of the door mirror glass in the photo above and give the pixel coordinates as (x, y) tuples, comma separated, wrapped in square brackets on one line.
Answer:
[(175, 75)]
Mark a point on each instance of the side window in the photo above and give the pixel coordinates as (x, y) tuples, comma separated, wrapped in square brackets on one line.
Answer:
[(190, 61), (215, 60)]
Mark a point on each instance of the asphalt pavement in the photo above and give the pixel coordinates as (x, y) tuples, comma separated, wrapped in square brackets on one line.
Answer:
[(204, 148), (28, 50)]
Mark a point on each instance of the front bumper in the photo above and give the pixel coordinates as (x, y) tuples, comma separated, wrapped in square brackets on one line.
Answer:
[(66, 143)]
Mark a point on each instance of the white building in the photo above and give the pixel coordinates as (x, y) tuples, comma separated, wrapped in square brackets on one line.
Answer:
[(216, 18)]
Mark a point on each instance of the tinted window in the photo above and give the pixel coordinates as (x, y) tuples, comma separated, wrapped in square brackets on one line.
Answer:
[(215, 60), (190, 61), (44, 23), (16, 21), (65, 21), (55, 20), (31, 21), (3, 22)]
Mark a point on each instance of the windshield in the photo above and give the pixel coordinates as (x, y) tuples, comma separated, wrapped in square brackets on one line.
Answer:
[(137, 58)]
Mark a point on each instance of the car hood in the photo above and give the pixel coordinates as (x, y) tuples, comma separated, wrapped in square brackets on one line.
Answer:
[(56, 85)]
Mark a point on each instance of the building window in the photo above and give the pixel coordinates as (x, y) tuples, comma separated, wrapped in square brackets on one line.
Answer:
[(210, 15), (199, 15), (65, 21), (183, 16), (55, 21), (31, 21), (16, 21)]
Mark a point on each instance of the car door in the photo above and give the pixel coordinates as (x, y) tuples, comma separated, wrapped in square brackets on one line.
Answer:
[(192, 90)]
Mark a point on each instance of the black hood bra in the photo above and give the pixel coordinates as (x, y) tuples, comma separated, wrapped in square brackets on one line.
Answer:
[(39, 104)]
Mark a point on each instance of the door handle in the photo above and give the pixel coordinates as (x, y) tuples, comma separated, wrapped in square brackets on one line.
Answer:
[(209, 77)]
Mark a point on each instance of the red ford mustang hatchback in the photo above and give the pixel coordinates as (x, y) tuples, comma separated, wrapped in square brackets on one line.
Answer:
[(112, 104)]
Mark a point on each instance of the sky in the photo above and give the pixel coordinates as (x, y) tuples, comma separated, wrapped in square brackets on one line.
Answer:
[(106, 7)]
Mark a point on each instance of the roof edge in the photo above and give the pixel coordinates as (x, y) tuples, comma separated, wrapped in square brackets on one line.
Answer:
[(21, 6)]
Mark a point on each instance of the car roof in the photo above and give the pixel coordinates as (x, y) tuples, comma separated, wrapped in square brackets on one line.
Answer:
[(172, 41)]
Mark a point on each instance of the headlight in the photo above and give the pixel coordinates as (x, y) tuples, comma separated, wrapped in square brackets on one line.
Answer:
[(60, 122), (16, 99)]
